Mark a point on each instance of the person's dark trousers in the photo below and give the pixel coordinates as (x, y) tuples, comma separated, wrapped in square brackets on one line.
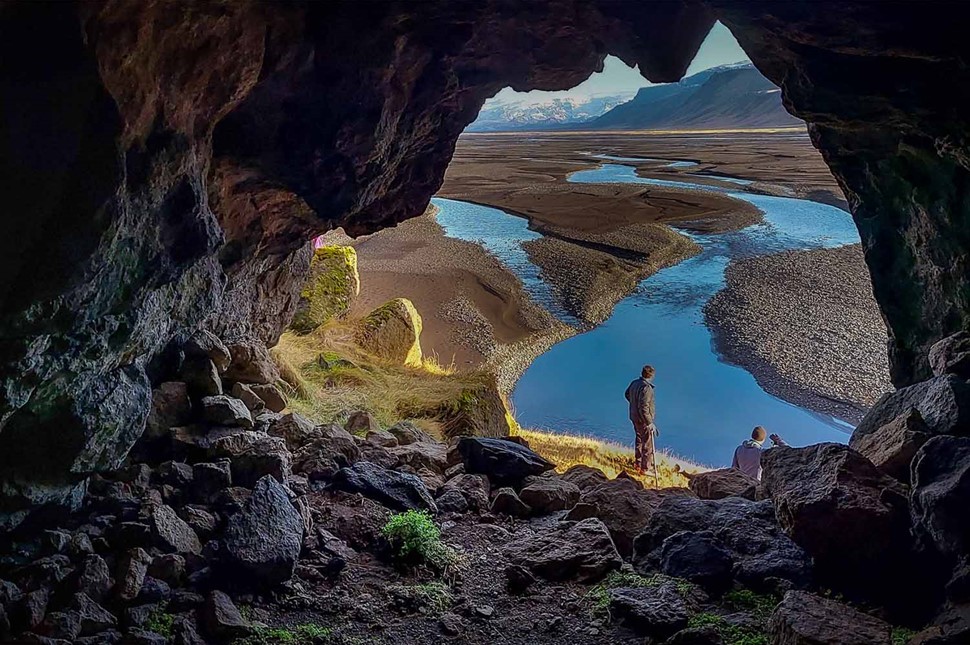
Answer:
[(644, 446)]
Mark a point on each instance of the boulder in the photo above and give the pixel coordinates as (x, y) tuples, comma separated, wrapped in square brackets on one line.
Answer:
[(378, 455), (245, 394), (330, 289), (270, 395), (657, 612), (622, 505), (474, 488), (172, 534), (205, 344), (168, 567), (171, 407), (332, 449), (506, 502), (806, 619), (296, 430), (423, 454), (381, 438), (175, 473), (95, 577), (397, 491), (699, 557), (392, 332), (406, 432), (569, 550), (452, 501), (762, 553), (226, 411), (504, 462), (132, 567), (361, 422), (546, 495), (726, 482), (208, 478), (251, 363), (951, 355), (221, 619), (93, 617), (253, 455), (584, 476), (262, 542), (943, 402), (892, 447), (833, 502), (201, 377), (940, 498)]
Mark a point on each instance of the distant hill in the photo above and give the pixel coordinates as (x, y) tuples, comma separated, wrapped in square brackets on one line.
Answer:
[(532, 115), (730, 96)]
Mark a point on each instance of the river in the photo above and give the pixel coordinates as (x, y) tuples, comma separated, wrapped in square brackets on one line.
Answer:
[(705, 407)]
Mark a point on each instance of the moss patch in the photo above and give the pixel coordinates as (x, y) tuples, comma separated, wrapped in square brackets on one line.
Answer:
[(333, 284)]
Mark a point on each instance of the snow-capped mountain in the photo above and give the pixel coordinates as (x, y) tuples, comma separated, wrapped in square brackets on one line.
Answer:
[(499, 114)]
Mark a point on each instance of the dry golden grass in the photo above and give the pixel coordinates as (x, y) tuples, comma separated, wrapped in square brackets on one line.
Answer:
[(328, 375), (566, 450)]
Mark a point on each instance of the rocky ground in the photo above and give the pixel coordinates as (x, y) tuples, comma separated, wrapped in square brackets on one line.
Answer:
[(234, 522), (836, 362)]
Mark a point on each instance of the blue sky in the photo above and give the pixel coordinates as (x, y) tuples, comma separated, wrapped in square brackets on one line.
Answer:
[(720, 48)]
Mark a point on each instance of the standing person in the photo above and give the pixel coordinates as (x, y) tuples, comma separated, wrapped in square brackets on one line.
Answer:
[(747, 456), (643, 411)]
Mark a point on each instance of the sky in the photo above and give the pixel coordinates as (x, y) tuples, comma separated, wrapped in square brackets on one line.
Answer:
[(720, 48)]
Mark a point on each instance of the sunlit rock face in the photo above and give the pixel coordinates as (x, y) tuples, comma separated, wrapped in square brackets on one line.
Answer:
[(164, 164)]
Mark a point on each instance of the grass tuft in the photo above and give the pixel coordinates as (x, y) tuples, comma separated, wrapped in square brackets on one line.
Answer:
[(161, 622), (415, 539), (432, 597), (305, 634)]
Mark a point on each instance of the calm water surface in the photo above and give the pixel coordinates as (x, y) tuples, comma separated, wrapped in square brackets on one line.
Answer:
[(705, 407)]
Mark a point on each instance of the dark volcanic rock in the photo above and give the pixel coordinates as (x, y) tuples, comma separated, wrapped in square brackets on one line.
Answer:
[(806, 619), (747, 530), (545, 495), (941, 495), (698, 557), (892, 447), (474, 488), (504, 462), (221, 618), (226, 411), (507, 502), (584, 476), (399, 491), (622, 505), (581, 550), (842, 510), (170, 407), (726, 482), (650, 611), (951, 355), (263, 541), (173, 534), (251, 363), (943, 402)]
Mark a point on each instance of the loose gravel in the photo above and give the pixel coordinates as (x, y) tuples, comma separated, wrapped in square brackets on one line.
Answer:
[(806, 325)]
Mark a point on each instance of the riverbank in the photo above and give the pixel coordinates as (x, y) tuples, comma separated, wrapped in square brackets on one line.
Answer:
[(806, 325), (475, 310)]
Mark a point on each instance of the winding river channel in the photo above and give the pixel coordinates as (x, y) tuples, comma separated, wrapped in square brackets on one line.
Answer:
[(705, 406)]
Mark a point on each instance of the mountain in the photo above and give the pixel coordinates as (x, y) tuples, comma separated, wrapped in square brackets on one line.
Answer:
[(526, 114), (729, 96)]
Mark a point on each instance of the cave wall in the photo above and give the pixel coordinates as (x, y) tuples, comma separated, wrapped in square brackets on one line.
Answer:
[(164, 163)]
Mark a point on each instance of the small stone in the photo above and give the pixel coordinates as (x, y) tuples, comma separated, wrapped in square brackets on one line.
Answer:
[(806, 619), (271, 396), (171, 407), (362, 423), (485, 611), (210, 478), (406, 433), (201, 376), (95, 578), (169, 567), (132, 567), (650, 611), (175, 473), (452, 501), (221, 619), (546, 495), (172, 533), (204, 343), (226, 411), (65, 625), (202, 521), (451, 624), (245, 394), (381, 438), (506, 502), (251, 363), (93, 617)]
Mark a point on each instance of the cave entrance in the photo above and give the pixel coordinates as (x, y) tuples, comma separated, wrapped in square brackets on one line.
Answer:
[(690, 225)]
